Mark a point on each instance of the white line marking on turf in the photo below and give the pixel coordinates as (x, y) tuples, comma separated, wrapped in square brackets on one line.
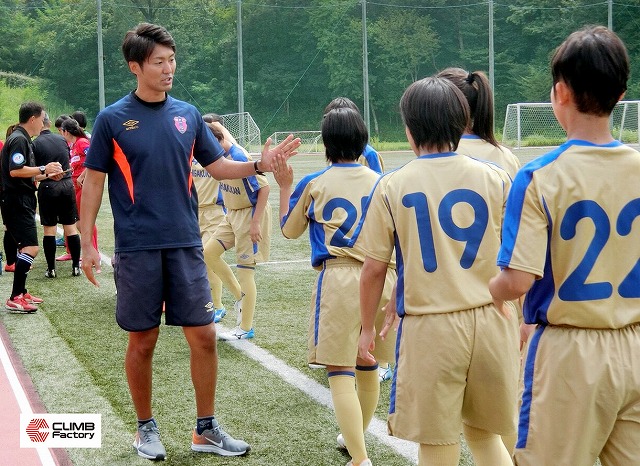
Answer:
[(23, 403), (321, 394)]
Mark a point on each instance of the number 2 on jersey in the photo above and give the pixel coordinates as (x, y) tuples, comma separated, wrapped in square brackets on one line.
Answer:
[(575, 287)]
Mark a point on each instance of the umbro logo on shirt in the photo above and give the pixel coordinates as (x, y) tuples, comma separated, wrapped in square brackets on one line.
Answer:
[(130, 124)]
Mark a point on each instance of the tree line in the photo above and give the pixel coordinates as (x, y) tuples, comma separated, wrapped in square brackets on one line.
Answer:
[(298, 55)]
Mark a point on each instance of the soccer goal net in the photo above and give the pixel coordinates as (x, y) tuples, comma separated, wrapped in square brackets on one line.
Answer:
[(244, 129), (534, 124), (310, 141)]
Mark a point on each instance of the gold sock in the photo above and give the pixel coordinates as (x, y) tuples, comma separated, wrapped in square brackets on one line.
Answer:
[(368, 388), (216, 288), (246, 277), (487, 448), (439, 455), (213, 257), (348, 414)]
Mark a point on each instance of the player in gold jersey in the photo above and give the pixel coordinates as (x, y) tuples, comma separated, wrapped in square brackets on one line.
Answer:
[(456, 357), (571, 241)]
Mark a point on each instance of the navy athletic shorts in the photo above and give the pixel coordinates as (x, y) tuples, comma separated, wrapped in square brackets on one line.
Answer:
[(57, 203), (147, 279)]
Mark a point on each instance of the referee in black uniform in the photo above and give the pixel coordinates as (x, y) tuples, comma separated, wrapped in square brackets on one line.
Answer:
[(19, 176), (56, 199)]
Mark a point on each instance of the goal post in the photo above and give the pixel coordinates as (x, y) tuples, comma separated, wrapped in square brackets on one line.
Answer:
[(244, 129), (310, 141), (534, 124)]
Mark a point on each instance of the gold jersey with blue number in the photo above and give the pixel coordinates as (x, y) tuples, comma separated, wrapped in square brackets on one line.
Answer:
[(571, 222), (443, 214), (330, 202)]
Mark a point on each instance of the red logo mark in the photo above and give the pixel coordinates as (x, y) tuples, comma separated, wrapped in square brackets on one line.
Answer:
[(181, 124), (33, 430)]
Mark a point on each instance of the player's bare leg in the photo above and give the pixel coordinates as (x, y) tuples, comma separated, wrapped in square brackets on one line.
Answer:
[(204, 366), (138, 366)]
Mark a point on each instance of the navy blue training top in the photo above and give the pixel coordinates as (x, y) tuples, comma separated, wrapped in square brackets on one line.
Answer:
[(147, 149)]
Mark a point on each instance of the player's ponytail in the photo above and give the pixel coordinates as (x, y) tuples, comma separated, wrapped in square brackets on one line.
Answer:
[(482, 114), (477, 90)]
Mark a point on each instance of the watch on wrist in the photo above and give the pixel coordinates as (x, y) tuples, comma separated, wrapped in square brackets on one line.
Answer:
[(42, 169), (255, 167)]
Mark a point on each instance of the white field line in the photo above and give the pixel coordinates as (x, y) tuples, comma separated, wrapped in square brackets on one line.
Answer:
[(23, 403), (321, 394), (310, 387)]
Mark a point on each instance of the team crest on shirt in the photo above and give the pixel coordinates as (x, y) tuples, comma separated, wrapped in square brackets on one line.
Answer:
[(181, 124), (17, 158)]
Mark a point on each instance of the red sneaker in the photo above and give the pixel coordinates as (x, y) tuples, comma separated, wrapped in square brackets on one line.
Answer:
[(64, 257), (32, 299), (10, 268), (19, 304)]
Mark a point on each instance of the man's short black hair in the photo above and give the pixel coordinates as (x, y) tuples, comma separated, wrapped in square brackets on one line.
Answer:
[(29, 109), (140, 42)]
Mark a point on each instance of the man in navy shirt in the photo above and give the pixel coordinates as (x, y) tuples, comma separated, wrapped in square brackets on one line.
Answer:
[(145, 142)]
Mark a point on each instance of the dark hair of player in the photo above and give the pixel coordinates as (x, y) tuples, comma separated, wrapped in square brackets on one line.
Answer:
[(344, 134), (341, 102), (60, 119), (216, 131), (140, 42), (436, 113), (212, 118), (72, 127), (10, 129), (80, 117), (29, 109), (594, 63), (476, 88)]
